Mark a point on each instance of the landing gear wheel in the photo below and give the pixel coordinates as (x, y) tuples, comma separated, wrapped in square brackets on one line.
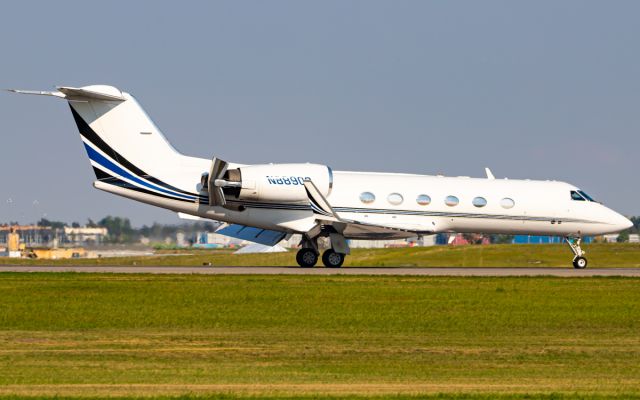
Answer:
[(579, 263), (331, 259), (306, 257)]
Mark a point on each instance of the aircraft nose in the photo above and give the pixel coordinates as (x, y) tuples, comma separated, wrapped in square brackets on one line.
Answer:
[(620, 221)]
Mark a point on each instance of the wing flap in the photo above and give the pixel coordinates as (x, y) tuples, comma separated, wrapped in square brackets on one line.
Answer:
[(257, 235)]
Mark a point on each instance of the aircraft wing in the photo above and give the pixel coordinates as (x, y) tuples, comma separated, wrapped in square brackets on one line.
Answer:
[(362, 230), (243, 232), (257, 235), (351, 228)]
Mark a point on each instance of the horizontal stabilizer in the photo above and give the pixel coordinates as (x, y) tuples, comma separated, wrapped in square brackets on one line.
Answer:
[(189, 217), (97, 92), (38, 92), (93, 92), (257, 235)]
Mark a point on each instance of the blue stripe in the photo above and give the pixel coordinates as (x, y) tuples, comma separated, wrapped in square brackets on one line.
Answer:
[(104, 162)]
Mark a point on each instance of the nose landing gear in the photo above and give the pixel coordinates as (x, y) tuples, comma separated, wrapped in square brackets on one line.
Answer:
[(579, 261)]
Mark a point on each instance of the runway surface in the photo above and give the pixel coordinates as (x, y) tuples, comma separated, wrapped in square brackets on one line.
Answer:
[(406, 271)]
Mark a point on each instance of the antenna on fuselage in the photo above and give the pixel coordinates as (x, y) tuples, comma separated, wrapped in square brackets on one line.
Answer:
[(489, 173)]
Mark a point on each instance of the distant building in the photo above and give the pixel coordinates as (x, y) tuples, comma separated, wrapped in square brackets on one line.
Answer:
[(82, 236), (613, 238), (377, 244), (46, 236), (292, 242), (180, 239), (31, 235), (216, 238), (13, 245), (212, 240), (429, 240), (534, 239)]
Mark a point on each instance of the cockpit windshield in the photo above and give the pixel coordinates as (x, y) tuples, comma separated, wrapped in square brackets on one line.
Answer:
[(576, 196), (579, 195), (586, 196)]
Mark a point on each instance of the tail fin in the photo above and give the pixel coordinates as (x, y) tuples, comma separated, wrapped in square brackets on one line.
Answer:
[(112, 122), (121, 140)]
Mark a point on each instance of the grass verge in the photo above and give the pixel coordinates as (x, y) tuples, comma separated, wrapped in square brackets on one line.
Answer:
[(318, 336), (601, 255)]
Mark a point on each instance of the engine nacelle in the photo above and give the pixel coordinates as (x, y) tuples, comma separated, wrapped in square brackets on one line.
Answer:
[(280, 182)]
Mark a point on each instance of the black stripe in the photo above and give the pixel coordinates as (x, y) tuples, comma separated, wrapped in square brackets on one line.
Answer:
[(453, 215), (92, 136), (100, 174), (264, 204), (125, 185)]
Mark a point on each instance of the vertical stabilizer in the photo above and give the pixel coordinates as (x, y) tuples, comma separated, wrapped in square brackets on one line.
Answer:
[(125, 147), (112, 122)]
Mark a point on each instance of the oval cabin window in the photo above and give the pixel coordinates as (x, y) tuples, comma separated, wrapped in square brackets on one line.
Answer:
[(451, 201), (479, 202), (367, 197), (395, 199), (507, 203), (423, 200)]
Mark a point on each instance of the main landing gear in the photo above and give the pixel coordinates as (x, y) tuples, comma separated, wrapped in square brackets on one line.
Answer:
[(307, 257), (579, 261), (334, 257)]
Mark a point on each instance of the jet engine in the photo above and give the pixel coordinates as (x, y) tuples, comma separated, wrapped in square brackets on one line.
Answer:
[(273, 182)]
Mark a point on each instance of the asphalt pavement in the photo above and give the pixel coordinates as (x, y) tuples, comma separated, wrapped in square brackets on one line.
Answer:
[(405, 271)]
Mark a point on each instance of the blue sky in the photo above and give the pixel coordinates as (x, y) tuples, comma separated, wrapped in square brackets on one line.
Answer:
[(541, 90)]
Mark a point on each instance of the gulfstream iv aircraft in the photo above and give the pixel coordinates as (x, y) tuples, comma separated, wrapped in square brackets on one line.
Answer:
[(266, 203)]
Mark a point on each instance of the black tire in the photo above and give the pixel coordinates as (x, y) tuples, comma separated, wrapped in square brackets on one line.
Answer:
[(331, 259), (579, 263), (306, 258)]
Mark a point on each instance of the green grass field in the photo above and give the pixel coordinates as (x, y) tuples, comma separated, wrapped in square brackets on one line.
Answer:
[(600, 255), (102, 335)]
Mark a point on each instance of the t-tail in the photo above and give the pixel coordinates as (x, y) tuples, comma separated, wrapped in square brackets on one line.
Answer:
[(124, 146)]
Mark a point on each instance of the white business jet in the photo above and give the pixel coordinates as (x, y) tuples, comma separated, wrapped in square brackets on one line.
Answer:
[(266, 203)]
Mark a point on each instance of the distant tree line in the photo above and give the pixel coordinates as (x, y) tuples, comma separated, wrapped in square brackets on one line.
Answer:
[(636, 225), (121, 231), (624, 235)]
